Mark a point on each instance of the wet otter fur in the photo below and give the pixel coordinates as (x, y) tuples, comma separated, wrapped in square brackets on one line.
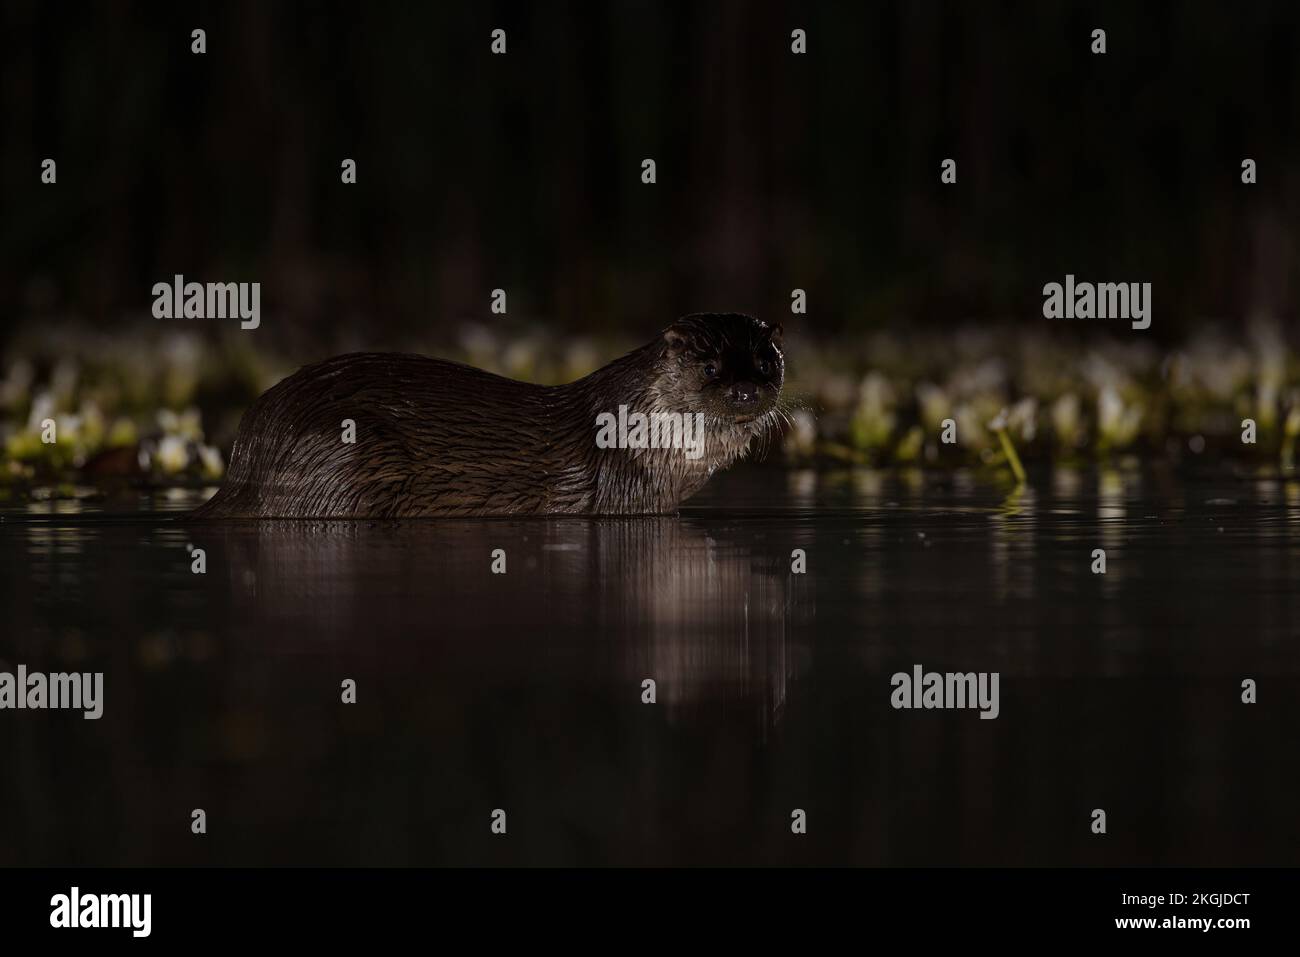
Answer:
[(438, 438)]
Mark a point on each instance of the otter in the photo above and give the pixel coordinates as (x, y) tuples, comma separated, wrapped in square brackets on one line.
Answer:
[(437, 438)]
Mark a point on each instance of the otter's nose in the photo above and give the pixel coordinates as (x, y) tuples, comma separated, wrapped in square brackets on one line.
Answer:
[(744, 392)]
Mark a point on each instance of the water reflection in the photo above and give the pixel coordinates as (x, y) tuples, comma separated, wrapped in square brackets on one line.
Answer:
[(525, 689), (621, 600)]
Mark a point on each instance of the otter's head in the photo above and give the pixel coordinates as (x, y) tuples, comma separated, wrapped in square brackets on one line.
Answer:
[(726, 365)]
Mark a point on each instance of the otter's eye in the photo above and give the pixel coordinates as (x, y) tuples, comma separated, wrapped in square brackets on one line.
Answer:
[(710, 370), (764, 367)]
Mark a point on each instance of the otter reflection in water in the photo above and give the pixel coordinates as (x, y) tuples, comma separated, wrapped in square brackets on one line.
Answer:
[(436, 438), (592, 606)]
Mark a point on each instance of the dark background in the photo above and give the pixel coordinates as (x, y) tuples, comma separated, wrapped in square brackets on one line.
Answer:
[(523, 171)]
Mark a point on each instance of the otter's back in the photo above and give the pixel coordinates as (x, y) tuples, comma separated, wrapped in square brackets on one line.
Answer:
[(432, 437)]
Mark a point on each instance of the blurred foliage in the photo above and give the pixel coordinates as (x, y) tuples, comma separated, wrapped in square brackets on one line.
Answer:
[(165, 408)]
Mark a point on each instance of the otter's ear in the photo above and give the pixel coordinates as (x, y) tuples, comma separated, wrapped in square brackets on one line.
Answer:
[(774, 335), (678, 342)]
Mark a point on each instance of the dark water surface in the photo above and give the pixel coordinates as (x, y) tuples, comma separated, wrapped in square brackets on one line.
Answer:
[(522, 691)]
